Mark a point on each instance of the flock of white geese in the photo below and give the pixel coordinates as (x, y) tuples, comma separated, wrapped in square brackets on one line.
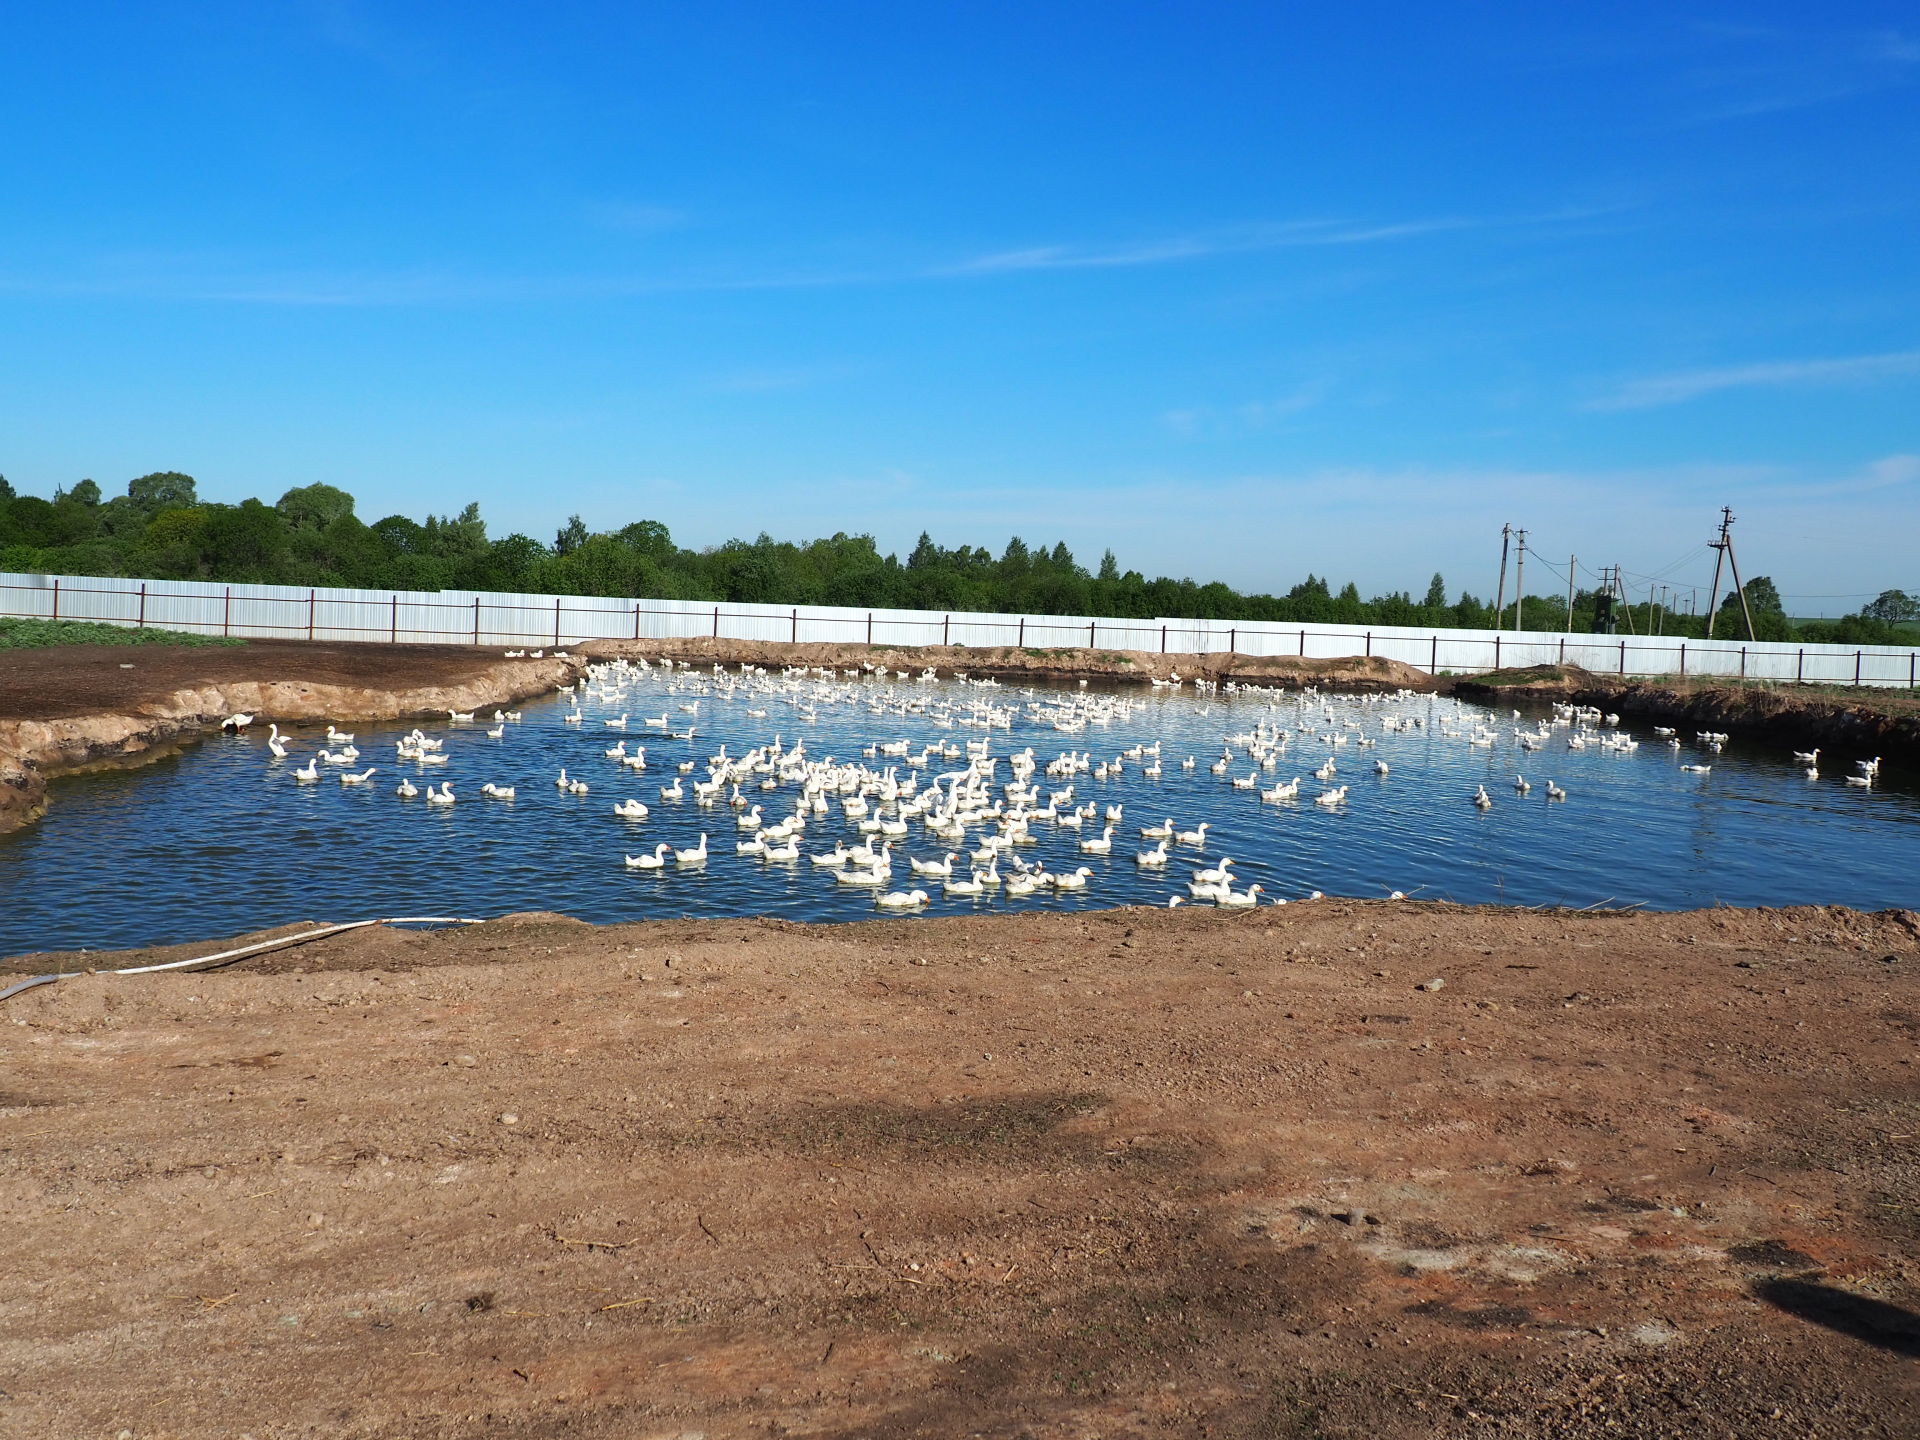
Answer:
[(982, 826)]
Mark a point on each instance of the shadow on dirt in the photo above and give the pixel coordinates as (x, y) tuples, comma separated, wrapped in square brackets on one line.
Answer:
[(1888, 1327)]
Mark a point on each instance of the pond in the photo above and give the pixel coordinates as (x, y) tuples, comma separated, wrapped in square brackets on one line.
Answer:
[(223, 838)]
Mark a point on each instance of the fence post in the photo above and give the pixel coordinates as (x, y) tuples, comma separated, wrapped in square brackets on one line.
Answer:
[(716, 622), (1912, 656), (1090, 639), (1496, 652), (143, 605), (1433, 665), (1623, 657), (56, 597), (1303, 643), (795, 637), (476, 619), (1233, 640), (393, 622), (1369, 644), (869, 627), (312, 595), (556, 622), (636, 619), (226, 615), (1743, 662), (1563, 649), (1683, 659), (1023, 632), (1163, 639), (1856, 669), (1800, 666), (946, 629)]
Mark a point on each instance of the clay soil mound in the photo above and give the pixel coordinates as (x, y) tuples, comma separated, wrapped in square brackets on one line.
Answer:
[(1137, 1173)]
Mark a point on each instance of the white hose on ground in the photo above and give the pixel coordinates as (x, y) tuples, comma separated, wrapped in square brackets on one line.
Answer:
[(258, 947)]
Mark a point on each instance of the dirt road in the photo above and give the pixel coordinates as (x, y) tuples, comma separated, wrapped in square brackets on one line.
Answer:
[(1134, 1173)]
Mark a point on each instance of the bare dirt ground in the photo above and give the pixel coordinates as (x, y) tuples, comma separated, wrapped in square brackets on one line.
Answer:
[(1127, 1174), (74, 680)]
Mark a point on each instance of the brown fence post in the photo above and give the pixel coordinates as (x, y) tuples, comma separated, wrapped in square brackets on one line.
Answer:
[(393, 621), (1800, 666), (869, 627), (1303, 643), (1623, 657), (1683, 659), (946, 630), (556, 622), (1022, 640), (1856, 669), (1433, 665), (1163, 639), (1091, 644), (1496, 652), (312, 596), (226, 615), (1233, 640), (1563, 649), (56, 597), (1743, 662), (795, 637), (143, 605), (476, 619), (1369, 644), (636, 619)]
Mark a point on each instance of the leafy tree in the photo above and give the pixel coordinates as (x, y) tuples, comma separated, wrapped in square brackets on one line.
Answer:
[(572, 535), (1892, 607), (85, 493), (313, 507), (162, 490), (1436, 593), (1763, 601)]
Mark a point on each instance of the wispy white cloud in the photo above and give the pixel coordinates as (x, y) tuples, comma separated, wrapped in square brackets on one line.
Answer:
[(1235, 240), (1674, 389), (1781, 70)]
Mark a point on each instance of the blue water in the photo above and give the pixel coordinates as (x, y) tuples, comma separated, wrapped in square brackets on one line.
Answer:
[(220, 839)]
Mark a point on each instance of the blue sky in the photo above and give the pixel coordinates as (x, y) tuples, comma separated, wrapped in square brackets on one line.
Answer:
[(1241, 291)]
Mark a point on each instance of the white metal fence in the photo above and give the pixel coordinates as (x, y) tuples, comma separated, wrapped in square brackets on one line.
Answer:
[(448, 617)]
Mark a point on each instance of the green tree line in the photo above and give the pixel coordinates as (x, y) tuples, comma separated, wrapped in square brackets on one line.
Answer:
[(161, 528)]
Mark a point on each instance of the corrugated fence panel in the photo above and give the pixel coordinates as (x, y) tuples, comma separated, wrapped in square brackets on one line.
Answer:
[(544, 621)]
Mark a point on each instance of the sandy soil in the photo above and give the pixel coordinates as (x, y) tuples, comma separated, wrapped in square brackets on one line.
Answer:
[(1135, 1173)]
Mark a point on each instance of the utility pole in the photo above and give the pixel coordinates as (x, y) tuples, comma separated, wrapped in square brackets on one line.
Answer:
[(1520, 583), (1572, 561), (1720, 554), (1626, 604), (1500, 598)]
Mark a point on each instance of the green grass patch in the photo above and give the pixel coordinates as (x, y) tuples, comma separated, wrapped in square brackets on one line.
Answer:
[(42, 634)]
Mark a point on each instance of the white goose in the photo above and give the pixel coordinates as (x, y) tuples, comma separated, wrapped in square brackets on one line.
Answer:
[(1153, 859), (1195, 836), (696, 856), (406, 789), (1073, 879), (1239, 899), (275, 744), (656, 861), (308, 772), (938, 868), (1101, 844), (630, 810), (498, 792), (443, 796), (902, 900), (361, 779)]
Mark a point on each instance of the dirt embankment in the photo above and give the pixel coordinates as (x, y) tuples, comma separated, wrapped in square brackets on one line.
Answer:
[(70, 708), (1352, 673), (1136, 1173), (1872, 722)]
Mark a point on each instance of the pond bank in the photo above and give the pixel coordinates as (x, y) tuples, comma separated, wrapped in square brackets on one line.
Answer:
[(1872, 722), (72, 708), (1353, 674)]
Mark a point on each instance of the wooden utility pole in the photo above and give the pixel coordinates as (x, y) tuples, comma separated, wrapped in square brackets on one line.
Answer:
[(1500, 596), (1572, 562), (1520, 583)]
